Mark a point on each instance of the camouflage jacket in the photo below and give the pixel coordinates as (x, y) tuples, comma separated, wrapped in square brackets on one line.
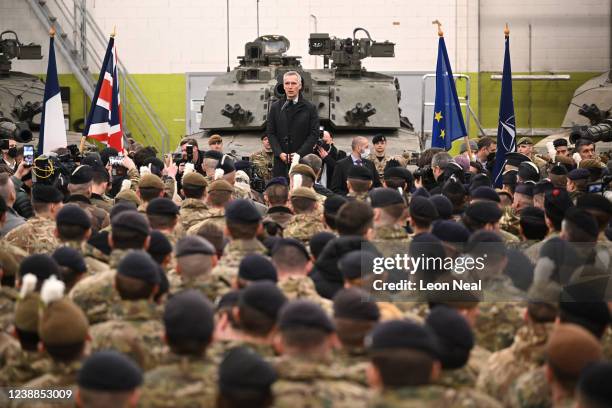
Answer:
[(381, 164), (135, 329), (8, 297), (509, 222), (357, 196), (391, 233), (99, 217), (211, 286), (303, 226), (431, 396), (36, 236), (505, 366), (10, 258), (9, 349), (307, 383), (102, 201), (24, 366), (302, 287), (183, 381), (533, 252), (263, 162), (458, 378), (218, 349), (280, 215), (227, 268), (94, 266), (530, 390), (213, 215), (60, 375), (497, 323), (192, 211)]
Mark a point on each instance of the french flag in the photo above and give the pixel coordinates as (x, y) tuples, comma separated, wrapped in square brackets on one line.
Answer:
[(104, 118), (52, 125)]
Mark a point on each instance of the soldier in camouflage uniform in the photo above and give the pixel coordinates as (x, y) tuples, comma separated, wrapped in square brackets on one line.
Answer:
[(10, 255), (80, 193), (308, 177), (187, 378), (163, 216), (150, 186), (263, 160), (525, 146), (193, 207), (380, 158), (389, 215), (359, 181), (219, 194), (98, 198), (37, 234), (134, 328), (307, 375), (307, 221)]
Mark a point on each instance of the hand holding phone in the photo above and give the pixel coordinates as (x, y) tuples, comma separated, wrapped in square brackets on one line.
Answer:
[(28, 155)]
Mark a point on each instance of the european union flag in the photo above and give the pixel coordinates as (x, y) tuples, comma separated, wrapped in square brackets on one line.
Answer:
[(506, 130), (448, 122)]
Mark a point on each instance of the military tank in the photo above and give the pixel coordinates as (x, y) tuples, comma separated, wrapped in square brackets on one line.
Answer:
[(350, 100), (21, 94)]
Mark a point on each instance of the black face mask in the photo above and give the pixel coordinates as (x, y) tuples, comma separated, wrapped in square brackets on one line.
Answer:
[(12, 152), (491, 157)]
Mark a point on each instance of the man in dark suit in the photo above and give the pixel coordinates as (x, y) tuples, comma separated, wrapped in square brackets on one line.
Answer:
[(330, 155), (293, 125), (359, 151)]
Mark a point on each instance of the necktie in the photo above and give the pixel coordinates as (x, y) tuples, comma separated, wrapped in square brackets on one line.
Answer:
[(358, 162)]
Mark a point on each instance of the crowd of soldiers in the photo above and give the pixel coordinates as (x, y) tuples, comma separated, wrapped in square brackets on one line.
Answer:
[(172, 283)]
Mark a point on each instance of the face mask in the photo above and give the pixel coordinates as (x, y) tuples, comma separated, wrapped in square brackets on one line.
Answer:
[(491, 157), (12, 152), (365, 153)]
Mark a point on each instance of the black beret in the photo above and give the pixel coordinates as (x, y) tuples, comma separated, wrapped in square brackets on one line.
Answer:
[(99, 241), (558, 170), (484, 212), (264, 297), (510, 177), (483, 242), (304, 314), (277, 180), (254, 267), (560, 142), (228, 300), (318, 242), (70, 258), (353, 304), (423, 208), (94, 160), (139, 265), (526, 189), (81, 175), (556, 202), (269, 243), (333, 203), (290, 242), (353, 263), (383, 197), (579, 174), (122, 206), (244, 370), (582, 219), (450, 231), (109, 370), (443, 206), (226, 164), (213, 154), (360, 173), (402, 334), (594, 385), (479, 180), (532, 214), (72, 214), (242, 211), (43, 193), (528, 171), (515, 158), (159, 245), (193, 244), (455, 337), (421, 192), (40, 265), (162, 206), (582, 306), (398, 172), (427, 245), (595, 202), (379, 138), (485, 193), (542, 187), (189, 316), (132, 220)]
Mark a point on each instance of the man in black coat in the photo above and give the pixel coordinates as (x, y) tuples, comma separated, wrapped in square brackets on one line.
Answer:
[(330, 155), (359, 152), (293, 125)]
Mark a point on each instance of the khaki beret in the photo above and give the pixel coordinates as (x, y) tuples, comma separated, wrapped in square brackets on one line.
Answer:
[(214, 139), (591, 164), (63, 323), (304, 192), (524, 140), (221, 185), (195, 179), (26, 313), (128, 195), (304, 170), (151, 181), (570, 348)]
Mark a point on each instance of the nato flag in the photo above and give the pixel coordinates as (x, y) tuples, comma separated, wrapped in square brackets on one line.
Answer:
[(448, 122), (506, 129)]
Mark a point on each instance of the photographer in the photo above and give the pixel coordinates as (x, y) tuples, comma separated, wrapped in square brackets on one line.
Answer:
[(329, 153), (293, 125), (8, 163), (192, 154)]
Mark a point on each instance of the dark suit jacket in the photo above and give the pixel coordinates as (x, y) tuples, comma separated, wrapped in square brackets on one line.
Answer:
[(292, 128), (341, 170)]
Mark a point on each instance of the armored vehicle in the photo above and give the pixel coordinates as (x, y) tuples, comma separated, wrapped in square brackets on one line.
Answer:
[(21, 95), (350, 100)]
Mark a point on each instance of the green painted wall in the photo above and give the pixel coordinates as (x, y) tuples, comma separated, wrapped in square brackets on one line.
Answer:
[(549, 101)]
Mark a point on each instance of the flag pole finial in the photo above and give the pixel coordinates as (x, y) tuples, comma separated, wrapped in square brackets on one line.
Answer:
[(114, 33), (507, 31), (439, 24), (52, 31)]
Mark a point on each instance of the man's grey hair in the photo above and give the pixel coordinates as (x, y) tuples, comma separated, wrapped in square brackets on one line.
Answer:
[(292, 73), (313, 161), (357, 140), (441, 160)]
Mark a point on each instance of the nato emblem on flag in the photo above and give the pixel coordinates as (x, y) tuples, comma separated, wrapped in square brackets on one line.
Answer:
[(448, 122), (52, 126), (506, 130)]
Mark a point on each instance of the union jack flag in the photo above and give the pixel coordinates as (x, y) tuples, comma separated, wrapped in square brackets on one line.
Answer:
[(104, 118)]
